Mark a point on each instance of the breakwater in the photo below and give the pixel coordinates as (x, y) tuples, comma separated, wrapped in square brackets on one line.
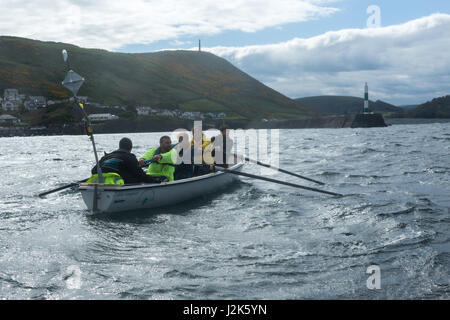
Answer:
[(158, 125), (26, 131), (340, 121)]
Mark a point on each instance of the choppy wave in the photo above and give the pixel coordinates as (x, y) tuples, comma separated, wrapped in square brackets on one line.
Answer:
[(255, 240)]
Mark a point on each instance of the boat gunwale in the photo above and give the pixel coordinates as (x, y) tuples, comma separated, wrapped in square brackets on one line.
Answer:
[(128, 187)]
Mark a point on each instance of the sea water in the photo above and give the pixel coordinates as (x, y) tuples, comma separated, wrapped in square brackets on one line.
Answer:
[(254, 240)]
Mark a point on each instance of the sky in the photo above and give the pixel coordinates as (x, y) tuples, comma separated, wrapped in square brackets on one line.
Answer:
[(297, 47)]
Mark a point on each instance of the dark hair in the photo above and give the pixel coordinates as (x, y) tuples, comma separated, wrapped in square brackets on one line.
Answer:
[(163, 137), (126, 144)]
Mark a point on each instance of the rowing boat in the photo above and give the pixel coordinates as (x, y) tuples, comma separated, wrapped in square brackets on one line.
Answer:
[(100, 197), (115, 198)]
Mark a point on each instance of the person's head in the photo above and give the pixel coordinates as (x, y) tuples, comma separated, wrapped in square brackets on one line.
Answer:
[(165, 143), (182, 136), (126, 144)]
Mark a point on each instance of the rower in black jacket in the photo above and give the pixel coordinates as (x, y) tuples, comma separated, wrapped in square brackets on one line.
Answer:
[(123, 162), (223, 144)]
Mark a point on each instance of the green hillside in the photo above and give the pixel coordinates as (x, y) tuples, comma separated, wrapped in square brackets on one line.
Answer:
[(344, 105), (188, 80), (436, 108)]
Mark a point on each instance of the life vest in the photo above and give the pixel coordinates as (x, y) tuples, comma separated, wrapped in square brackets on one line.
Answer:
[(205, 141), (207, 148), (165, 166), (108, 178)]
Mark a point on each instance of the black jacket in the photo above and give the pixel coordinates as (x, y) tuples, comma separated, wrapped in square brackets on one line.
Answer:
[(227, 146), (123, 163)]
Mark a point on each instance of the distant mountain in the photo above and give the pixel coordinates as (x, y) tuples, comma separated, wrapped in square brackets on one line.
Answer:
[(187, 80), (436, 108), (344, 105)]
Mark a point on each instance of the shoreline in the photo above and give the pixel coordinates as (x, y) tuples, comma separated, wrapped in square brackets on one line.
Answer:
[(130, 126), (406, 121)]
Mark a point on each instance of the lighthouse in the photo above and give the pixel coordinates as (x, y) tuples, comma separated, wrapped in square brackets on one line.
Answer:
[(366, 99)]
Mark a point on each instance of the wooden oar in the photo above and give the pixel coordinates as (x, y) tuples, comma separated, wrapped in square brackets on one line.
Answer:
[(73, 184), (282, 170), (276, 181)]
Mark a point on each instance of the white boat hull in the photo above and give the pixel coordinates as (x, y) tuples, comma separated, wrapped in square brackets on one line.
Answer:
[(145, 196)]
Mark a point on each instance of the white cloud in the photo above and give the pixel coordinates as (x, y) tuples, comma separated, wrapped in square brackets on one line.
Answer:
[(402, 63), (112, 24)]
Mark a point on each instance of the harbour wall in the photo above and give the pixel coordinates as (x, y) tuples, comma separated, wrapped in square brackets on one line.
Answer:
[(128, 126)]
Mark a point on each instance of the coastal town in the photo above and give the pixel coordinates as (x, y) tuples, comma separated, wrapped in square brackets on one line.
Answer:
[(15, 104)]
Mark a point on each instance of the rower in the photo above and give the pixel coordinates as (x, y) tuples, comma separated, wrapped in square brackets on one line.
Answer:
[(223, 146), (201, 146), (120, 166), (163, 159), (183, 170)]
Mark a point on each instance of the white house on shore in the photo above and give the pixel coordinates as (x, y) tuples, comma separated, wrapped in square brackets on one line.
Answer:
[(145, 111), (80, 99), (34, 102), (10, 105), (11, 95), (6, 118), (11, 100), (102, 117)]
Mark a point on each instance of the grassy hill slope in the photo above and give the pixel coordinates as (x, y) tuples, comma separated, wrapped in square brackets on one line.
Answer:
[(436, 108), (189, 80)]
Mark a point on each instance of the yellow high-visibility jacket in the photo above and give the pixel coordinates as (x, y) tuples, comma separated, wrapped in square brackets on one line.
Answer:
[(108, 178), (165, 166), (205, 141), (207, 148)]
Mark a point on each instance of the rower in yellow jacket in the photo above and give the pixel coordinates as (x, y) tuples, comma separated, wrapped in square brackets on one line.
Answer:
[(203, 157), (163, 159), (204, 142)]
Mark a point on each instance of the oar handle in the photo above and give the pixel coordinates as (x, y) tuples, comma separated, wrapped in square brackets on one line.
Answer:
[(147, 163), (278, 181)]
